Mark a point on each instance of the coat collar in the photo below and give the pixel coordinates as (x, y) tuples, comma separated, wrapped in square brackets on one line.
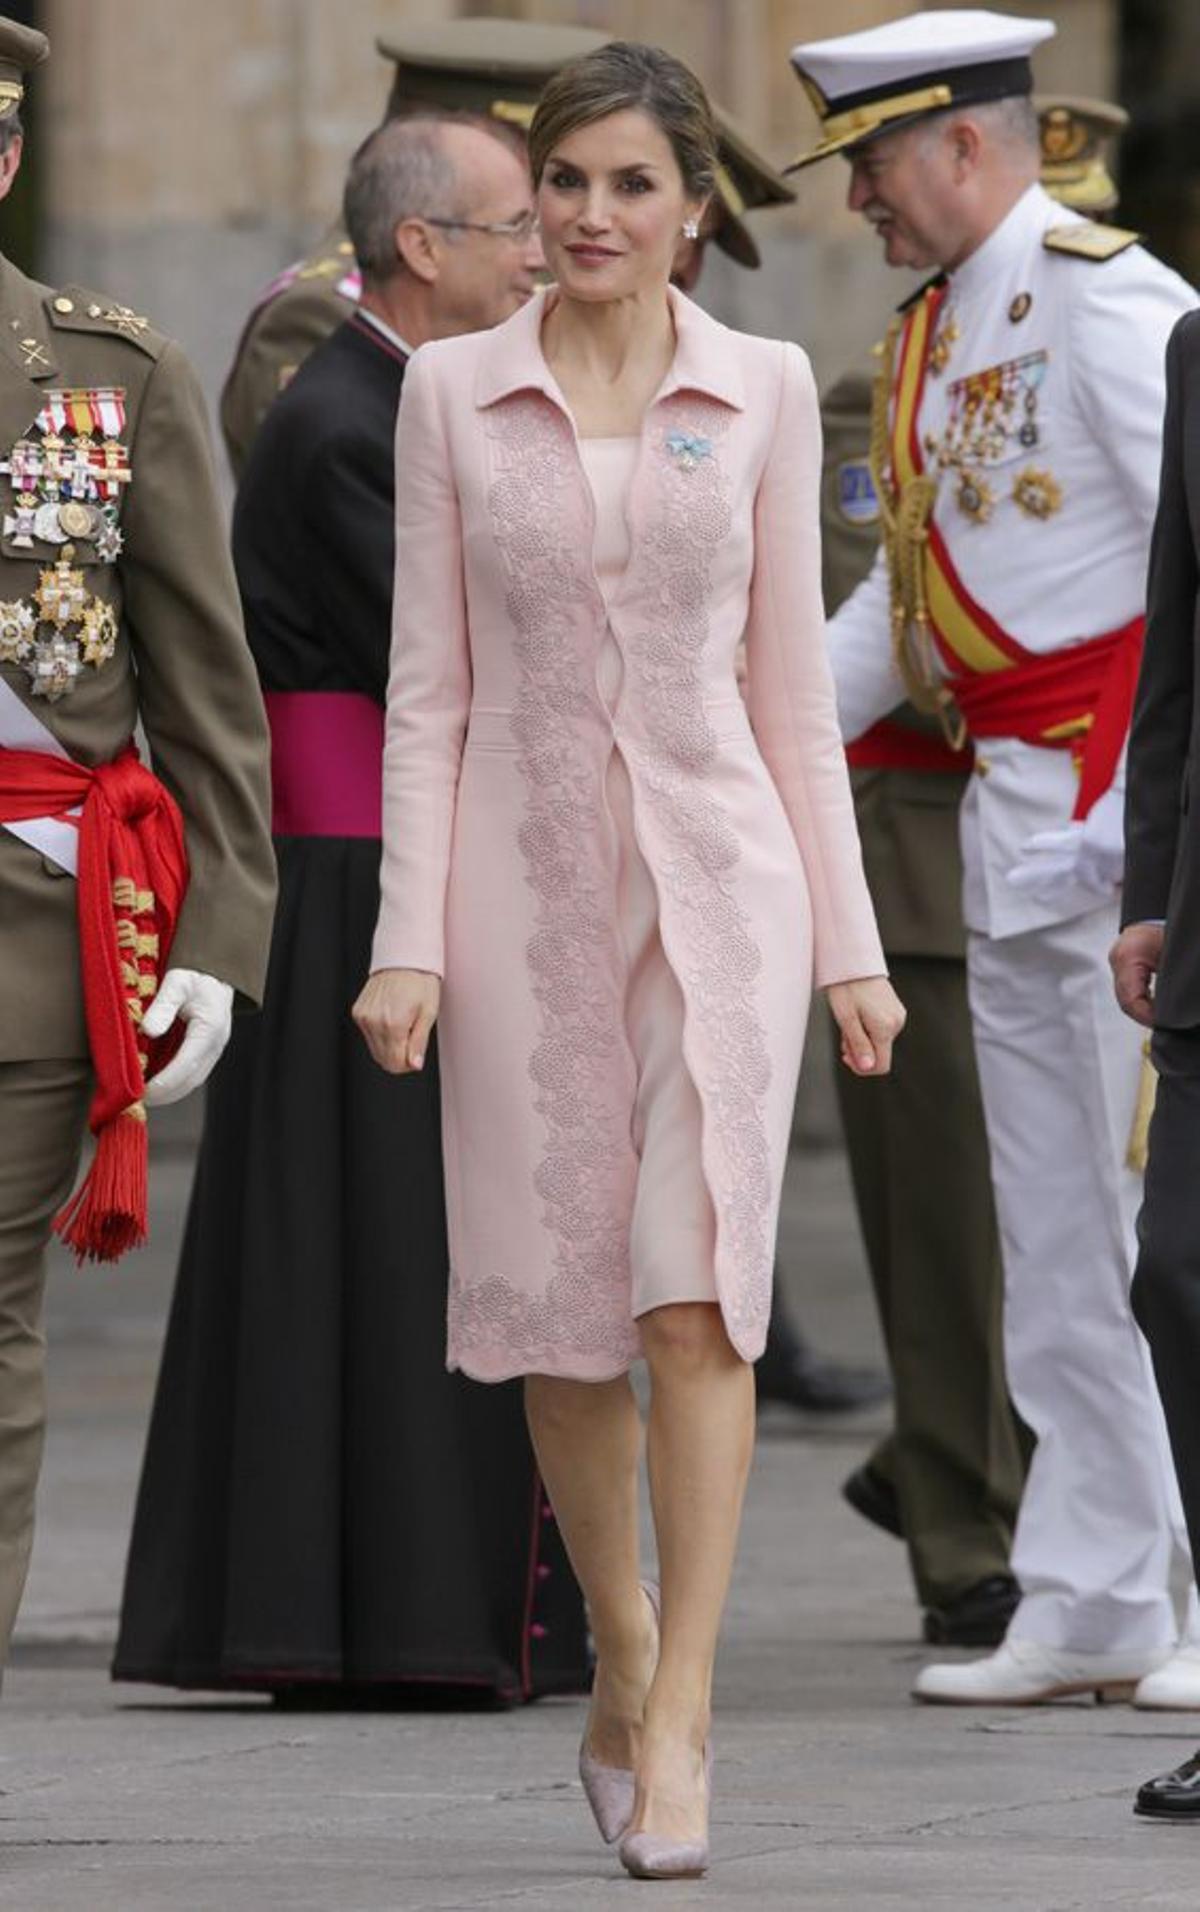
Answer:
[(512, 359), (1009, 242)]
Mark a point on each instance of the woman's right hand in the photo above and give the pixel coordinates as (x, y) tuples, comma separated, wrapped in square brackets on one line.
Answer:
[(396, 1013), (870, 1016)]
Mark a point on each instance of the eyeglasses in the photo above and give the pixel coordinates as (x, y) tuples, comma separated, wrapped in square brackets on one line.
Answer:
[(519, 228)]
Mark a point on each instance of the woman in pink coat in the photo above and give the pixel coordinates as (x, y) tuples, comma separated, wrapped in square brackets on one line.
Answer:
[(615, 882)]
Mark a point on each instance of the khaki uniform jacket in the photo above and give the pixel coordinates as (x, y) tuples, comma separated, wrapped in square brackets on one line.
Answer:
[(284, 327), (907, 819), (180, 666)]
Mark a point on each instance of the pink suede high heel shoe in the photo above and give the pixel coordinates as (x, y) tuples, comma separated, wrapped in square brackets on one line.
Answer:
[(646, 1855), (609, 1789)]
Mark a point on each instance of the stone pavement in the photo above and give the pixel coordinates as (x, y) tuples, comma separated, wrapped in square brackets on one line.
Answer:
[(832, 1790)]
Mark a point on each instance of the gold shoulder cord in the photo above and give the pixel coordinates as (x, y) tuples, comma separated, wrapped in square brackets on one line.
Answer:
[(1137, 1153), (905, 511)]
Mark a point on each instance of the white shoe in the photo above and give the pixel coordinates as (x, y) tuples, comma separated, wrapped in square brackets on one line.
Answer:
[(1173, 1687), (1023, 1673)]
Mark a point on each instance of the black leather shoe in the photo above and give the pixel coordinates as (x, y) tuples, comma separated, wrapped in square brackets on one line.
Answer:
[(790, 1373), (874, 1498), (819, 1386), (1172, 1795), (978, 1617)]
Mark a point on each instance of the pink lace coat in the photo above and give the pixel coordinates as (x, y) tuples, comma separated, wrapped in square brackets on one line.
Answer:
[(499, 863)]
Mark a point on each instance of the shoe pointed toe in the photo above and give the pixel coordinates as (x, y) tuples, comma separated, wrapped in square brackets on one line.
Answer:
[(645, 1855)]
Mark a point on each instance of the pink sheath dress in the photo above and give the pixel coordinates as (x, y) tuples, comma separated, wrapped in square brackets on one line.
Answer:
[(504, 813), (673, 1227)]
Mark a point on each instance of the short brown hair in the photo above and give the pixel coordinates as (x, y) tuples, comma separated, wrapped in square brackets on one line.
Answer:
[(621, 77)]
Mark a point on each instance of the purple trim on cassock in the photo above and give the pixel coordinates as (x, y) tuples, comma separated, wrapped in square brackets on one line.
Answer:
[(326, 763)]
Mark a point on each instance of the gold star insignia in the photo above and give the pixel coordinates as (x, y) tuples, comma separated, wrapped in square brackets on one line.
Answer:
[(1037, 492)]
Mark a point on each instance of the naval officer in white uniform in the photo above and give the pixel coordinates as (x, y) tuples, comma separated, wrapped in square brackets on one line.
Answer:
[(1016, 445)]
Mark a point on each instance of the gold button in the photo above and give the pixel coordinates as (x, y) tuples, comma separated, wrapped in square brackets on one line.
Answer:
[(63, 304), (982, 766)]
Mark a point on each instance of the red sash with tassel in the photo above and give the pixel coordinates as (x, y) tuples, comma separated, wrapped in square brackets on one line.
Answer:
[(132, 880), (1078, 699)]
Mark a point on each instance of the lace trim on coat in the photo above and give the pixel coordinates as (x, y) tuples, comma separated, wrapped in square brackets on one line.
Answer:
[(580, 1068), (707, 934)]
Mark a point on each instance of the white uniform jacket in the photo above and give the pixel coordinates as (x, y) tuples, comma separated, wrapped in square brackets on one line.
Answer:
[(1084, 342)]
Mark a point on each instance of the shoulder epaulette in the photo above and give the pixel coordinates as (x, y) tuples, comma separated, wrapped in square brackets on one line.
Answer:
[(75, 309), (1087, 239), (930, 285), (328, 265)]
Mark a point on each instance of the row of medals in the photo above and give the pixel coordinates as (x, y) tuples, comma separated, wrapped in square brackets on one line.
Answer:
[(63, 626), (985, 408)]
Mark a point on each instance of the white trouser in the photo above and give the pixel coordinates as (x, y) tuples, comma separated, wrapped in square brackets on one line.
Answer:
[(1059, 1065)]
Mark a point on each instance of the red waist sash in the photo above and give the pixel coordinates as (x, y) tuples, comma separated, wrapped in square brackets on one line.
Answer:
[(892, 746), (326, 763), (132, 880), (1078, 699)]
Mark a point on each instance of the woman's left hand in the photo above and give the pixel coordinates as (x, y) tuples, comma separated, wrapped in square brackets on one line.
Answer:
[(870, 1016)]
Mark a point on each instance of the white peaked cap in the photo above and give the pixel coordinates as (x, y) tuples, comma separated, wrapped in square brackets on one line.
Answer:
[(865, 83)]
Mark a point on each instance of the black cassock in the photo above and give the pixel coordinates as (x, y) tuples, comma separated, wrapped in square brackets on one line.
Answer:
[(320, 1501)]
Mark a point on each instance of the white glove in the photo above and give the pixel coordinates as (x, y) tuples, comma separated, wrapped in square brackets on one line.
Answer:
[(1088, 855), (206, 1006)]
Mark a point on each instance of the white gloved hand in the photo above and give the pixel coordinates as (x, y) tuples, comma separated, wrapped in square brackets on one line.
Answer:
[(1088, 855), (206, 1006)]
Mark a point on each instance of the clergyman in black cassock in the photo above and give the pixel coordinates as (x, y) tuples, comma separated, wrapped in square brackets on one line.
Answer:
[(321, 1502), (1161, 938)]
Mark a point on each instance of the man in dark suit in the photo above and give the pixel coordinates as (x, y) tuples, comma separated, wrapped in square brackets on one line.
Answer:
[(1156, 961), (323, 1507)]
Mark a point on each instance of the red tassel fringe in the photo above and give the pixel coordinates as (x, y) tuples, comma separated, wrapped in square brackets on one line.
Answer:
[(109, 1211)]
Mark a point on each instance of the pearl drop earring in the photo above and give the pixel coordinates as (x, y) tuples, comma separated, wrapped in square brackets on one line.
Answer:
[(691, 228)]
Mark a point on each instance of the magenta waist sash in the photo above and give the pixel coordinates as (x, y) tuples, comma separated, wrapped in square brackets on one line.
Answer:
[(326, 763)]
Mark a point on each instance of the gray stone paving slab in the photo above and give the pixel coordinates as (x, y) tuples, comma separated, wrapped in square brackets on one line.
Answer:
[(832, 1789)]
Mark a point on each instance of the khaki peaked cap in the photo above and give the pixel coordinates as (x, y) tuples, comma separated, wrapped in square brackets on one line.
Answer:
[(1075, 137), (21, 49)]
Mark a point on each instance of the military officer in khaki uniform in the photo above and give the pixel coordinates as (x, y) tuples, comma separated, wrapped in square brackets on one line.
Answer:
[(949, 1478), (117, 604), (492, 66)]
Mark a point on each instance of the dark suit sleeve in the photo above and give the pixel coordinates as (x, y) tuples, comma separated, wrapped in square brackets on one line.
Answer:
[(350, 523), (1162, 717)]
